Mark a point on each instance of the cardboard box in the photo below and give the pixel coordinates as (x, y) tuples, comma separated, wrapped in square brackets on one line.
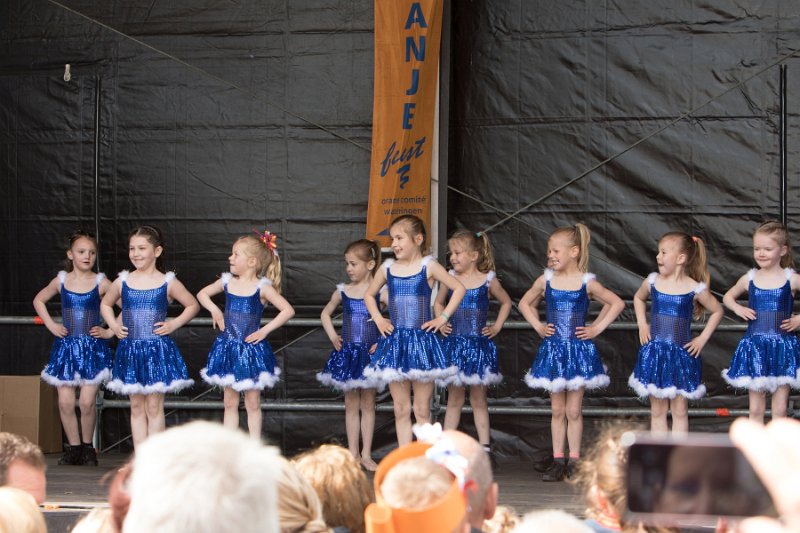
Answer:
[(29, 407)]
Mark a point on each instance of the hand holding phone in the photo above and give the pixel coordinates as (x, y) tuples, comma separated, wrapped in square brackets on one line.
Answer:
[(691, 480)]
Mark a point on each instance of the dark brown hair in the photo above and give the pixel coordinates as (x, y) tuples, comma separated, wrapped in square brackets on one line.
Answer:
[(414, 226), (154, 237), (72, 239)]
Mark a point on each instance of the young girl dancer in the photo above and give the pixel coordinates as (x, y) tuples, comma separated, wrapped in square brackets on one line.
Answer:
[(410, 356), (351, 354), (148, 363), (768, 356), (80, 358), (469, 344), (241, 359), (668, 368), (567, 361)]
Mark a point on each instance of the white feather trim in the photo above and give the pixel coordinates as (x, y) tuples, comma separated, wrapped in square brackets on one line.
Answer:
[(670, 393), (121, 387), (561, 384), (77, 381), (760, 383), (265, 380)]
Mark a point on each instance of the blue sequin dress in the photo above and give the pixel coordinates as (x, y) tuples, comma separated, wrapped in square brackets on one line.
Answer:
[(79, 359), (147, 363), (664, 369), (766, 357), (565, 362), (409, 353), (345, 368), (232, 362), (466, 347)]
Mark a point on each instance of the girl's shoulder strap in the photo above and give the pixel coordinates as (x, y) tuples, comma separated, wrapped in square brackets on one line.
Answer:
[(427, 259), (340, 287), (98, 279), (651, 278), (387, 264), (225, 278), (700, 287), (490, 276), (263, 281), (169, 276), (751, 274), (586, 278), (123, 276), (62, 276), (789, 272), (452, 272), (548, 274)]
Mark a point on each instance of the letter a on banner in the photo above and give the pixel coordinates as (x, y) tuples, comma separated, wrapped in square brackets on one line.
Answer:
[(407, 41)]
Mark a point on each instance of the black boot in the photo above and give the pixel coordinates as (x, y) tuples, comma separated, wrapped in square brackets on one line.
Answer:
[(88, 454), (72, 455), (557, 471)]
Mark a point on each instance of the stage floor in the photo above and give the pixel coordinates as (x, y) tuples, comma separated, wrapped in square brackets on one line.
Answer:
[(74, 490)]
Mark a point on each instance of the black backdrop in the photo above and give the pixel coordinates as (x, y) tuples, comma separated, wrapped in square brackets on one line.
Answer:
[(219, 117)]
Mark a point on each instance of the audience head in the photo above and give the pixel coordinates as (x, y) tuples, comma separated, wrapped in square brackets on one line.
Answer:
[(19, 512), (299, 508), (551, 520), (22, 465), (482, 493), (341, 485), (415, 493), (98, 520), (202, 477), (504, 520)]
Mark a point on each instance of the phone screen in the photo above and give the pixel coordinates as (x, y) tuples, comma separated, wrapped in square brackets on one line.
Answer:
[(691, 480)]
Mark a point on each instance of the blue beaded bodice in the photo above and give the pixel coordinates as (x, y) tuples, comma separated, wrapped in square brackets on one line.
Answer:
[(772, 306), (409, 296), (357, 328), (566, 309), (470, 317), (80, 312), (242, 313), (671, 314), (142, 308)]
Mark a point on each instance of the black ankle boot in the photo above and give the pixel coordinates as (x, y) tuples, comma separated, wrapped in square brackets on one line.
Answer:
[(71, 455), (88, 454)]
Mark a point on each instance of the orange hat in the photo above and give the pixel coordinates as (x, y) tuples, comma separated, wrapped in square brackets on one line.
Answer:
[(441, 516)]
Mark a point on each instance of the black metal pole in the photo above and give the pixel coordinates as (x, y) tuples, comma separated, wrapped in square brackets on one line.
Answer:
[(783, 134), (444, 129), (97, 87)]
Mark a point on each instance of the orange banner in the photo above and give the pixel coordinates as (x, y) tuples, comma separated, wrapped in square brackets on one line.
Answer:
[(407, 41)]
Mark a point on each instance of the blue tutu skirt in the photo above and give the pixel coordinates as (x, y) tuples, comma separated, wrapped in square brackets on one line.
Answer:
[(148, 366), (764, 362), (345, 368), (409, 354), (476, 359), (666, 370), (240, 365), (570, 364), (78, 361)]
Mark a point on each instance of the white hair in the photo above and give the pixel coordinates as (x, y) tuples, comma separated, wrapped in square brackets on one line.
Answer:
[(202, 477), (549, 520)]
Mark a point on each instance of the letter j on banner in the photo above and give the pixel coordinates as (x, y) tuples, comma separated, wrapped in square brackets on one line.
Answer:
[(407, 41)]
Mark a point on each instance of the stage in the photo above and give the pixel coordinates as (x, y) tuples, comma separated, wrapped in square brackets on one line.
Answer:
[(74, 490)]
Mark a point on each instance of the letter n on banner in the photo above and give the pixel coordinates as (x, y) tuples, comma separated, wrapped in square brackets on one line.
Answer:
[(407, 41)]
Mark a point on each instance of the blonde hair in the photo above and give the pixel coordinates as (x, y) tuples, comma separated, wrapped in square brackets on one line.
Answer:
[(299, 508), (476, 242), (415, 483), (268, 264), (341, 485), (414, 226), (577, 235), (777, 232), (504, 520), (99, 520), (696, 266), (367, 251), (19, 512)]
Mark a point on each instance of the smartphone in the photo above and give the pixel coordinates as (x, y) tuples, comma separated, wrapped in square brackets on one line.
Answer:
[(691, 480)]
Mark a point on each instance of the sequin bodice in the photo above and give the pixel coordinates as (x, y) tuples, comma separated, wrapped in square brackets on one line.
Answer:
[(142, 308), (409, 297), (80, 311), (772, 306), (357, 328), (566, 309), (671, 314), (470, 317), (242, 313)]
